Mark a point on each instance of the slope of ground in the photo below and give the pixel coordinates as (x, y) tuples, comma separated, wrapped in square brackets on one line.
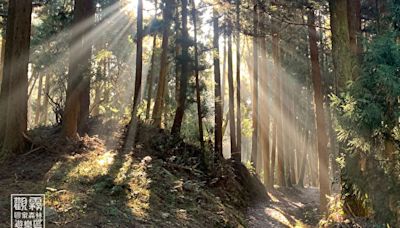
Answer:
[(163, 182), (287, 208)]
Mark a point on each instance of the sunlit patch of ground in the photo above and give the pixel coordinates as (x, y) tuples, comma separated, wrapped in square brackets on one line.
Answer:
[(92, 166), (277, 215), (287, 208), (273, 198)]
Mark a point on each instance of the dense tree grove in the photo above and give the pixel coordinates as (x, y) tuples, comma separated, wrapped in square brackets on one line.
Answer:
[(304, 93)]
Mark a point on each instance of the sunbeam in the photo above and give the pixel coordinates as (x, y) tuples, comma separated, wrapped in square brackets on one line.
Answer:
[(200, 113)]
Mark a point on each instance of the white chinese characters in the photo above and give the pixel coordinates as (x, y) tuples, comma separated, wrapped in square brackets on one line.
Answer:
[(27, 211)]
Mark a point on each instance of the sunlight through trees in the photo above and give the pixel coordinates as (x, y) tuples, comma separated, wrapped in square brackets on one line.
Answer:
[(285, 96)]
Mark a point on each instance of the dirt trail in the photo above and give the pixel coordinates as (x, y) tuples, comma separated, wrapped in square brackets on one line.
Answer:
[(287, 208)]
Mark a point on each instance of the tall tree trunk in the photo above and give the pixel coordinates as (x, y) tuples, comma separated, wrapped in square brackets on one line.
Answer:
[(139, 55), (178, 73), (254, 141), (196, 72), (333, 148), (3, 48), (322, 140), (303, 160), (341, 54), (165, 105), (223, 77), (304, 126), (131, 133), (278, 115), (232, 128), (150, 77), (77, 101), (328, 85), (286, 127), (39, 100), (180, 110), (95, 111), (313, 159), (84, 102), (381, 14), (264, 120), (85, 92), (217, 85), (178, 57), (292, 157), (46, 98), (238, 154), (299, 146), (13, 97), (354, 24), (343, 62), (273, 156), (159, 103), (32, 81)]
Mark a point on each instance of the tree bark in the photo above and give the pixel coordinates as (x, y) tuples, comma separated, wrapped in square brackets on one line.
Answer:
[(39, 100), (292, 157), (84, 101), (354, 27), (322, 140), (264, 120), (341, 54), (232, 128), (343, 61), (223, 76), (381, 13), (84, 110), (13, 97), (78, 91), (159, 103), (46, 99), (196, 72), (97, 91), (3, 47), (139, 54), (150, 77), (286, 127), (354, 24), (279, 108), (254, 141), (131, 133), (217, 85), (273, 156), (180, 110), (303, 160), (165, 105), (178, 55), (238, 154)]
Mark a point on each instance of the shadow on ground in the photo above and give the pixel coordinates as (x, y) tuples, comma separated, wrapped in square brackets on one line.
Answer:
[(289, 207), (162, 182)]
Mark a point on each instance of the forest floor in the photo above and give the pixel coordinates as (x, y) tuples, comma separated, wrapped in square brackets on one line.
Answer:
[(162, 182), (294, 207)]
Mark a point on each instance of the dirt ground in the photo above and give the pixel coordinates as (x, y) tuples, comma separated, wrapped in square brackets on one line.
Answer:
[(92, 183), (288, 208)]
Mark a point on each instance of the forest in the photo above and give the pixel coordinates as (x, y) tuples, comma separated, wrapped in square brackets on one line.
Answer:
[(201, 113)]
